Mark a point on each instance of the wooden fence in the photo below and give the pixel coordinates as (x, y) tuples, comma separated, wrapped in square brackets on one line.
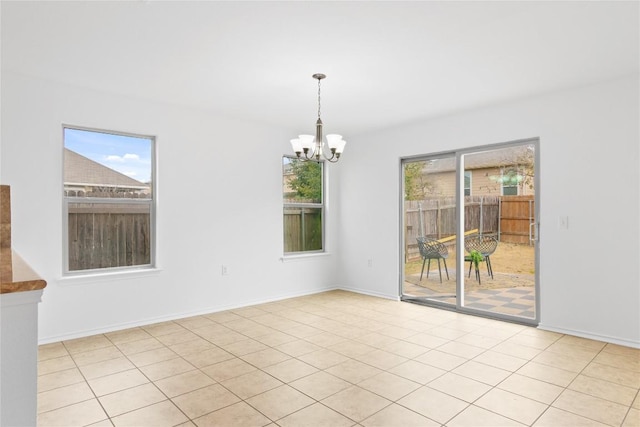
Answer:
[(517, 213), (436, 218), (102, 236), (302, 229), (508, 218), (118, 235)]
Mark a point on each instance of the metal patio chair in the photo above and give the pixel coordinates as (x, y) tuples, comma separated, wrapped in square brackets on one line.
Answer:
[(485, 245), (432, 249)]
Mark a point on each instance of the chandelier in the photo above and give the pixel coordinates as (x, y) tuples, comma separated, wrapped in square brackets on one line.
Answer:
[(308, 147)]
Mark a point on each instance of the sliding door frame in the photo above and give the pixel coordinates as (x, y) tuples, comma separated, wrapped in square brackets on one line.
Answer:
[(458, 154)]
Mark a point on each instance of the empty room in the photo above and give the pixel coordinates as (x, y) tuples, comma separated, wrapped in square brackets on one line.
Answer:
[(310, 213)]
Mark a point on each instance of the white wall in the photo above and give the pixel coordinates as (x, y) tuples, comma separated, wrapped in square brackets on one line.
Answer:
[(589, 144), (219, 202)]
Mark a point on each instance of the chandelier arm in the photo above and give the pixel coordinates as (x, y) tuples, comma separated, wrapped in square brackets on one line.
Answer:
[(315, 156), (327, 158), (306, 155)]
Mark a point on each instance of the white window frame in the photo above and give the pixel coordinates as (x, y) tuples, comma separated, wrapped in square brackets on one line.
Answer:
[(503, 179), (150, 202), (321, 206)]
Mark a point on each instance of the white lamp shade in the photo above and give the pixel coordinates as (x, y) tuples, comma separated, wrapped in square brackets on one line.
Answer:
[(297, 145), (336, 142), (306, 141), (333, 140)]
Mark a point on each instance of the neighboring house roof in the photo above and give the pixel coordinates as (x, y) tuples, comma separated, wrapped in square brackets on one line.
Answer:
[(486, 159), (80, 170)]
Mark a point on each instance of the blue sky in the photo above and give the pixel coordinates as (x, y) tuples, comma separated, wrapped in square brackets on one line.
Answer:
[(129, 155)]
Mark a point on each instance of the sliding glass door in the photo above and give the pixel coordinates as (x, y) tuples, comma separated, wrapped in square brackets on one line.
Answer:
[(429, 211), (470, 235)]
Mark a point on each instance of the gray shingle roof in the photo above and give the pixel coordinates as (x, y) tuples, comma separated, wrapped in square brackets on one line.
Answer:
[(486, 159), (80, 170)]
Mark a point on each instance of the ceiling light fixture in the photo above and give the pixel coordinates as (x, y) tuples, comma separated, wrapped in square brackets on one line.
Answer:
[(308, 147)]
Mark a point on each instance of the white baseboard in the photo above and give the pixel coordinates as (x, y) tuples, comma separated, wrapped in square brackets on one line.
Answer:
[(175, 316), (368, 292), (214, 309), (591, 336)]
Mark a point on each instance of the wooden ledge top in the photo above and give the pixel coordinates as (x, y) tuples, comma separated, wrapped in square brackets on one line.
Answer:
[(16, 275)]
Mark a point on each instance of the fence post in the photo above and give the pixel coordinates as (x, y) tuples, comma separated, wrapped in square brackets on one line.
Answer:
[(304, 230), (499, 216), (481, 215), (438, 219)]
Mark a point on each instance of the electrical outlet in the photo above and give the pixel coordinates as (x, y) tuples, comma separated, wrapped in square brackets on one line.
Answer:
[(370, 263), (224, 270)]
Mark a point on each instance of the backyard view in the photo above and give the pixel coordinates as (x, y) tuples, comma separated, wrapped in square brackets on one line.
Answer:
[(108, 198), (498, 265), (302, 188)]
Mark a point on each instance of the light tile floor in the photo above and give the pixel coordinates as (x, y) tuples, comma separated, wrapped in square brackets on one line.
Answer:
[(337, 359)]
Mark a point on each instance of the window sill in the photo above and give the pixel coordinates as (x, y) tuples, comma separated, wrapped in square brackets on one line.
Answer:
[(303, 256), (96, 277)]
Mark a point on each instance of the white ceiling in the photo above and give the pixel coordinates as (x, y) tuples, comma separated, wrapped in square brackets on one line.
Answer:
[(387, 63)]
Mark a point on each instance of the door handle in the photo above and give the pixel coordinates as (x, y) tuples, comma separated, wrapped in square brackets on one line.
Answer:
[(534, 232)]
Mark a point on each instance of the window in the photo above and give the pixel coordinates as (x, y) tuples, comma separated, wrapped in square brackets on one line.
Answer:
[(467, 183), (108, 200), (511, 178), (303, 195)]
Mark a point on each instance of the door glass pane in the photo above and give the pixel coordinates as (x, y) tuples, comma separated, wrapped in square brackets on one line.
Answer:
[(430, 229), (499, 255)]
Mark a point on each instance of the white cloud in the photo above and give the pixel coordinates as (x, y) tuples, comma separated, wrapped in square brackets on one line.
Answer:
[(122, 159), (132, 174)]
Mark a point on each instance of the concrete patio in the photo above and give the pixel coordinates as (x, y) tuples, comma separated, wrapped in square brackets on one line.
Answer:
[(512, 294)]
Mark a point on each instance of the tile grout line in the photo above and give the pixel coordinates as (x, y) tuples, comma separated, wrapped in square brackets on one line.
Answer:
[(572, 381), (149, 379), (317, 309)]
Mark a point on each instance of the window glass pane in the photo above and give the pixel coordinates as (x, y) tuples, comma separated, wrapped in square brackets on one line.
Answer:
[(106, 235), (108, 193), (430, 178), (302, 188), (467, 183), (509, 190), (302, 229), (100, 164), (301, 181)]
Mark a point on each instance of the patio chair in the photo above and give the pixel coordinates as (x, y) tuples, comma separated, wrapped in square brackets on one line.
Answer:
[(432, 249), (485, 245)]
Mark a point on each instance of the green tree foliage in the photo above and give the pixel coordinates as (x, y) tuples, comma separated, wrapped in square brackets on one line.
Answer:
[(526, 160), (307, 180), (416, 186), (518, 166)]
